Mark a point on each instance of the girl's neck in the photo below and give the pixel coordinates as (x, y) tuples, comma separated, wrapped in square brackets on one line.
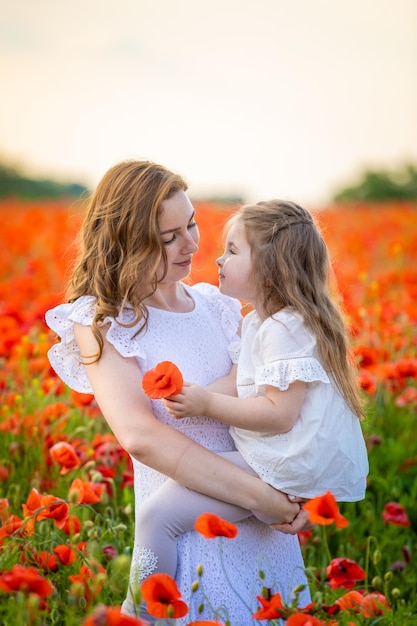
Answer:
[(173, 297)]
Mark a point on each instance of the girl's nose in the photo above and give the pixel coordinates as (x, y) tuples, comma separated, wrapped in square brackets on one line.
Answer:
[(219, 261)]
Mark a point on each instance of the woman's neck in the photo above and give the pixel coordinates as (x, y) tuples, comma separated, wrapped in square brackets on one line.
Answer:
[(173, 297)]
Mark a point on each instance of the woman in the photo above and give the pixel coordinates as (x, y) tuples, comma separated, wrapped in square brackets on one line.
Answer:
[(128, 310)]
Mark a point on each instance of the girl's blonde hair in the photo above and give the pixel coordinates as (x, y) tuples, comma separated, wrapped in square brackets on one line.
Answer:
[(291, 267), (120, 244)]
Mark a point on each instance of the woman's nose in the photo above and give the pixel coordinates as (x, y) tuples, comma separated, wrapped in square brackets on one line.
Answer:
[(191, 244)]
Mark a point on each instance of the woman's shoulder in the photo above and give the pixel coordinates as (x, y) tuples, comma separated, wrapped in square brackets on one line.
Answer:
[(65, 315)]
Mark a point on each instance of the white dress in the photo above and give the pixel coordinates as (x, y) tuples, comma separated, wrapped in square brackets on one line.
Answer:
[(325, 449), (198, 343)]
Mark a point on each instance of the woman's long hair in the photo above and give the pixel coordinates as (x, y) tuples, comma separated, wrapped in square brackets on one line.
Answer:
[(120, 247), (291, 267)]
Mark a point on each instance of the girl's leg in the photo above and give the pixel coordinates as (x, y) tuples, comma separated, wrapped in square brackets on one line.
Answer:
[(169, 512), (172, 511)]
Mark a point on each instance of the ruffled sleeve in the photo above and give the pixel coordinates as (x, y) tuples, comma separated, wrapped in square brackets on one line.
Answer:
[(288, 352), (65, 356), (229, 308)]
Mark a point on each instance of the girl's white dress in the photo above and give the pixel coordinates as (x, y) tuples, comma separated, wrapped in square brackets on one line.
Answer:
[(325, 449), (198, 343)]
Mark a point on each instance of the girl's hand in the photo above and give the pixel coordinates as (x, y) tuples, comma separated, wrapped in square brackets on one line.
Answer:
[(192, 401), (299, 523)]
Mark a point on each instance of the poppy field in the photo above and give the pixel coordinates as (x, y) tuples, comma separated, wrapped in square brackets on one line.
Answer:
[(66, 486)]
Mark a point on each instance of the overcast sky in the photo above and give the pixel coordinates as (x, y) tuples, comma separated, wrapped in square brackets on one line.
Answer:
[(273, 98)]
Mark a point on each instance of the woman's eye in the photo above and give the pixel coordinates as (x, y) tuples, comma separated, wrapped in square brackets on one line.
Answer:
[(192, 225), (173, 238)]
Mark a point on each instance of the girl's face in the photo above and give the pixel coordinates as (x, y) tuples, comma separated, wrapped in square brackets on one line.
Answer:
[(180, 235), (235, 266)]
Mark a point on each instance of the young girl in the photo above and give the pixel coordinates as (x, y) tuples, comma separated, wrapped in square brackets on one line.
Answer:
[(296, 420)]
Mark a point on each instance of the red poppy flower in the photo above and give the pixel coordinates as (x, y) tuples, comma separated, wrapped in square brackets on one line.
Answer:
[(109, 616), (351, 600), (344, 573), (369, 605), (212, 526), (162, 381), (162, 597), (323, 510), (45, 561), (65, 455), (84, 492), (81, 399), (270, 608), (11, 525), (89, 581), (374, 604), (395, 514), (72, 525), (26, 579), (65, 554), (54, 508)]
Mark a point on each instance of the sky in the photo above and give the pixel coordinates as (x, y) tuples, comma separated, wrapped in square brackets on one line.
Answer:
[(273, 98)]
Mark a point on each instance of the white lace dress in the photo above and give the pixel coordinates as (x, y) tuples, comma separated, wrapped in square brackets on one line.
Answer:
[(198, 343)]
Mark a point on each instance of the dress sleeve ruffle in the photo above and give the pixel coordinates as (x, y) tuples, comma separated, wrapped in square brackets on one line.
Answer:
[(234, 351), (282, 373), (230, 309), (65, 356)]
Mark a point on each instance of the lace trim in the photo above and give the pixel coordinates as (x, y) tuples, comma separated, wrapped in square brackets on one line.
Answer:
[(284, 372), (144, 562)]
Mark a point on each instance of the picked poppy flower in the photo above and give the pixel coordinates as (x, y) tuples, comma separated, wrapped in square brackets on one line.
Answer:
[(212, 526), (65, 455), (323, 510), (271, 608), (111, 616), (27, 579), (344, 573), (164, 380), (395, 514), (162, 597)]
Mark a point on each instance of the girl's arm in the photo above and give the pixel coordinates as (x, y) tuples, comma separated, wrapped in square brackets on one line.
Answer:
[(116, 382), (276, 412)]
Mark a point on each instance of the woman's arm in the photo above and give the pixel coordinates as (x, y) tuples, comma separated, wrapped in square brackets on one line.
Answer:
[(276, 412), (116, 382)]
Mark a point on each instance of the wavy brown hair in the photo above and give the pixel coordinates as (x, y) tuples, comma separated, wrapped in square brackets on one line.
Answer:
[(120, 247), (291, 266)]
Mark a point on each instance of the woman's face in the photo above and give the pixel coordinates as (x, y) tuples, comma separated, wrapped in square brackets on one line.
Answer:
[(180, 236)]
